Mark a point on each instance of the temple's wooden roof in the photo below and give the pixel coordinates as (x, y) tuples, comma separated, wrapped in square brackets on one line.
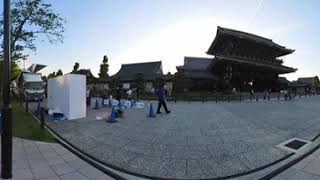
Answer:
[(196, 68), (150, 70), (270, 66), (226, 36)]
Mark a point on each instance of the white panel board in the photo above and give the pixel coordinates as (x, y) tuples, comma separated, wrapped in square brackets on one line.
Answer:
[(68, 94)]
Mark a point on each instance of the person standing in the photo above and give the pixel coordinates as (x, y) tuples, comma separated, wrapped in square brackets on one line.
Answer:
[(162, 99), (129, 94)]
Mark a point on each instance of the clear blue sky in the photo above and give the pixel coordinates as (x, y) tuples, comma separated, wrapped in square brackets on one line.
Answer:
[(143, 30)]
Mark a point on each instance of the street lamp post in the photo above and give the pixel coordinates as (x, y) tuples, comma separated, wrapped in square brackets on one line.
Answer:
[(6, 136)]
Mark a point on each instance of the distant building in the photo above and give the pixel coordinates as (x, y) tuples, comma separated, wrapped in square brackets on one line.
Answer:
[(197, 69), (151, 71), (241, 60), (305, 85), (283, 83), (87, 72)]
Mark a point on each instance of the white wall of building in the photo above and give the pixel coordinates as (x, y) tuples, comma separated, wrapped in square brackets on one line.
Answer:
[(68, 94)]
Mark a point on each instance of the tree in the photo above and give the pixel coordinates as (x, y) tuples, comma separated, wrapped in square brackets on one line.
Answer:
[(180, 82), (76, 67), (115, 82), (59, 72), (139, 83), (15, 70), (316, 83), (44, 78), (31, 20), (158, 82), (52, 75), (104, 67)]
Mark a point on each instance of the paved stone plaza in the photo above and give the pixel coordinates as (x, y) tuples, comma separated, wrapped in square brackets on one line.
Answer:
[(34, 160), (197, 140)]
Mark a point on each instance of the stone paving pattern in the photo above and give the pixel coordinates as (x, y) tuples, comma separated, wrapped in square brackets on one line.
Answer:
[(197, 140), (49, 161), (307, 169)]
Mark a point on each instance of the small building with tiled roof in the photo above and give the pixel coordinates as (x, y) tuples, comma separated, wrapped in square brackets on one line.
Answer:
[(196, 68), (305, 85), (87, 72), (151, 71)]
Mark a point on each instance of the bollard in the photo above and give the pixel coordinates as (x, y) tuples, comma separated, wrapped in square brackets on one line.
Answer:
[(269, 98), (264, 97), (278, 97), (42, 118), (240, 98), (257, 99), (27, 106)]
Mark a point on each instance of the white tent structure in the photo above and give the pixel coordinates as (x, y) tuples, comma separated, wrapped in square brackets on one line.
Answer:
[(67, 93), (34, 68)]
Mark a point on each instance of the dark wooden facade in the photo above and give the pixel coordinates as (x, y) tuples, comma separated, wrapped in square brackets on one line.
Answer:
[(245, 61)]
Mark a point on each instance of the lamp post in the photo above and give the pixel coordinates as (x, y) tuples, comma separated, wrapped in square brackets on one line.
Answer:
[(6, 137)]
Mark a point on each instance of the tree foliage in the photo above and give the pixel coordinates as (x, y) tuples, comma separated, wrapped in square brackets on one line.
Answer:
[(75, 67), (59, 72), (15, 70), (115, 82), (32, 20), (139, 83), (104, 67), (158, 82), (52, 75), (180, 82)]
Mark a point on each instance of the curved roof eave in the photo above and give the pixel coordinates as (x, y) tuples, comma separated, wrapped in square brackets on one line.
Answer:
[(244, 35)]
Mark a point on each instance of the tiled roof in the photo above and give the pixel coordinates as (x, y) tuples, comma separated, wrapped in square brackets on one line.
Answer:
[(225, 32), (306, 80), (150, 70)]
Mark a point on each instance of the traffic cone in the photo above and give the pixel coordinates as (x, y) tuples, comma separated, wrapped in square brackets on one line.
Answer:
[(112, 118), (151, 112), (96, 106)]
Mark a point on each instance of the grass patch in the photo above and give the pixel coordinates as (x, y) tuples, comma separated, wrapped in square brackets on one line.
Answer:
[(26, 127)]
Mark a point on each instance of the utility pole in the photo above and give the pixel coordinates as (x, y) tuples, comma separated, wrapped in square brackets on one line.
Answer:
[(6, 136)]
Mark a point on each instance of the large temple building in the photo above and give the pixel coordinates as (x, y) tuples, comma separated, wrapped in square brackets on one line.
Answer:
[(242, 61)]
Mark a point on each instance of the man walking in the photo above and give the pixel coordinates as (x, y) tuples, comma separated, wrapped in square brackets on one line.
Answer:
[(162, 99)]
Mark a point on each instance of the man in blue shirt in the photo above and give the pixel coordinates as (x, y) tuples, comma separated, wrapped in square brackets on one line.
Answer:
[(162, 99)]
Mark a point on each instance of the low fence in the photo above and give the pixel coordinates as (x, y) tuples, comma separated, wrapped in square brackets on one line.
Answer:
[(233, 97)]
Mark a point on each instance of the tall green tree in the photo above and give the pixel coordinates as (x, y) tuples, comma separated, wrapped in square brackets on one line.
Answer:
[(59, 72), (76, 67), (104, 67), (139, 83), (32, 20), (15, 71)]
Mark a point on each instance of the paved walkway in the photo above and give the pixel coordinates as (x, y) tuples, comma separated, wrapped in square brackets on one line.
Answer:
[(196, 140), (307, 169), (50, 161)]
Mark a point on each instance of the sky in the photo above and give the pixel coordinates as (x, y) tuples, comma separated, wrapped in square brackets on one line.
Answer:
[(129, 31)]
